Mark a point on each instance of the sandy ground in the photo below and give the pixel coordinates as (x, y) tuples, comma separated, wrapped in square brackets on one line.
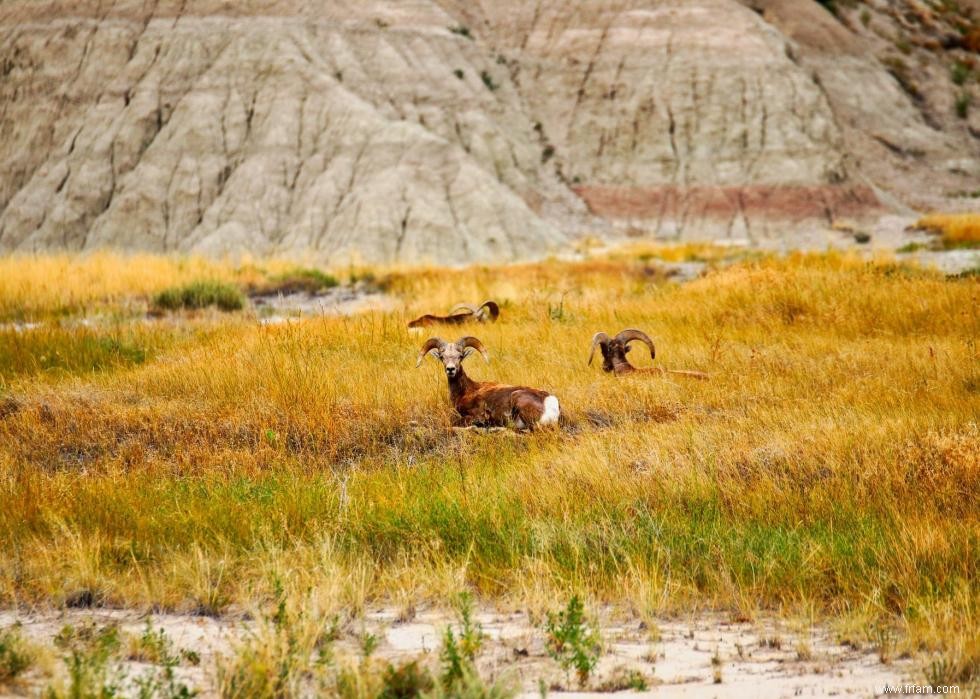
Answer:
[(703, 656), (341, 300)]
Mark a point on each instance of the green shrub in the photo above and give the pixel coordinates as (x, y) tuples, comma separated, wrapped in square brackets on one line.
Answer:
[(15, 655), (623, 678), (201, 294), (154, 646), (488, 80), (458, 656), (161, 682), (282, 656), (454, 665), (310, 281), (912, 247), (959, 73), (471, 632), (472, 686), (89, 649), (405, 681), (962, 105), (461, 31), (572, 640)]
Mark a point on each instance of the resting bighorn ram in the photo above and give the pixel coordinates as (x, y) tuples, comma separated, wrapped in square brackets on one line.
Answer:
[(614, 354), (484, 403), (488, 311)]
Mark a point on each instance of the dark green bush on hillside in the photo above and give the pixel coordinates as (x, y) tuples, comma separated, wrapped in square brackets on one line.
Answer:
[(201, 294)]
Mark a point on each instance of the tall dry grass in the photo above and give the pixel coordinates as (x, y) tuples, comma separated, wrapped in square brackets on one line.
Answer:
[(832, 463), (955, 230), (34, 287)]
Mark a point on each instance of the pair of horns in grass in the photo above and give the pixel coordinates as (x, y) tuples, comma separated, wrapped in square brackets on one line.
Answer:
[(466, 345), (624, 338)]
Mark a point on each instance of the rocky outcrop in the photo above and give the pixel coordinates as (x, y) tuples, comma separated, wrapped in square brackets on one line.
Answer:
[(454, 132), (249, 126)]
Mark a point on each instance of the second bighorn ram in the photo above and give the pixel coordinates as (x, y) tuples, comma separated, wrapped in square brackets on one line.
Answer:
[(488, 311), (484, 403), (614, 351)]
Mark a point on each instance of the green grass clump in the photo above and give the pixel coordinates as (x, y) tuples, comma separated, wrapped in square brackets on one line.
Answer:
[(309, 280), (89, 650), (405, 680), (282, 657), (16, 655), (912, 247), (458, 654), (201, 294), (74, 350), (962, 104), (959, 73)]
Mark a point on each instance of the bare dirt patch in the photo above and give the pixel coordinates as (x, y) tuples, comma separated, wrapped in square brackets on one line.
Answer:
[(705, 655), (340, 300)]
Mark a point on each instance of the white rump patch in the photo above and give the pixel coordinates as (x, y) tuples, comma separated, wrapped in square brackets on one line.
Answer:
[(551, 411)]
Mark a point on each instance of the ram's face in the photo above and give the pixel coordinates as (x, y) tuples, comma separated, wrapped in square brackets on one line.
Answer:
[(612, 351), (452, 356)]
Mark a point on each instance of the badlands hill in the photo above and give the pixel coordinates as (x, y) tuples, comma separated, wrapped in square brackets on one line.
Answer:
[(474, 131)]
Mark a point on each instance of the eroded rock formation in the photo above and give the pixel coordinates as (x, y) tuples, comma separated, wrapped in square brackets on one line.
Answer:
[(454, 131)]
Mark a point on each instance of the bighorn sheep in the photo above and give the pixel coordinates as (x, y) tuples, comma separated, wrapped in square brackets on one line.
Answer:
[(488, 311), (484, 403), (614, 354)]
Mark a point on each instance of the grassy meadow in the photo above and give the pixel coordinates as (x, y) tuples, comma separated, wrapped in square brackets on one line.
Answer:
[(200, 461)]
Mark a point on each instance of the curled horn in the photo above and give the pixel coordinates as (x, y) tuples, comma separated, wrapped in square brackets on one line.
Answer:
[(599, 338), (627, 336), (472, 309), (431, 344), (470, 341), (492, 308)]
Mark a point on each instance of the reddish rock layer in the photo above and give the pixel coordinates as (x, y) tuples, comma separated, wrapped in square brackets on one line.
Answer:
[(787, 203)]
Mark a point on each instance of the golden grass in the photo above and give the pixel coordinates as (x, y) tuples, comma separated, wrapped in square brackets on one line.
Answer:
[(831, 464), (39, 286), (957, 230)]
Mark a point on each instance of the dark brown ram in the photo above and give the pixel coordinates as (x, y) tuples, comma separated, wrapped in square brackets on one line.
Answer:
[(614, 351)]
